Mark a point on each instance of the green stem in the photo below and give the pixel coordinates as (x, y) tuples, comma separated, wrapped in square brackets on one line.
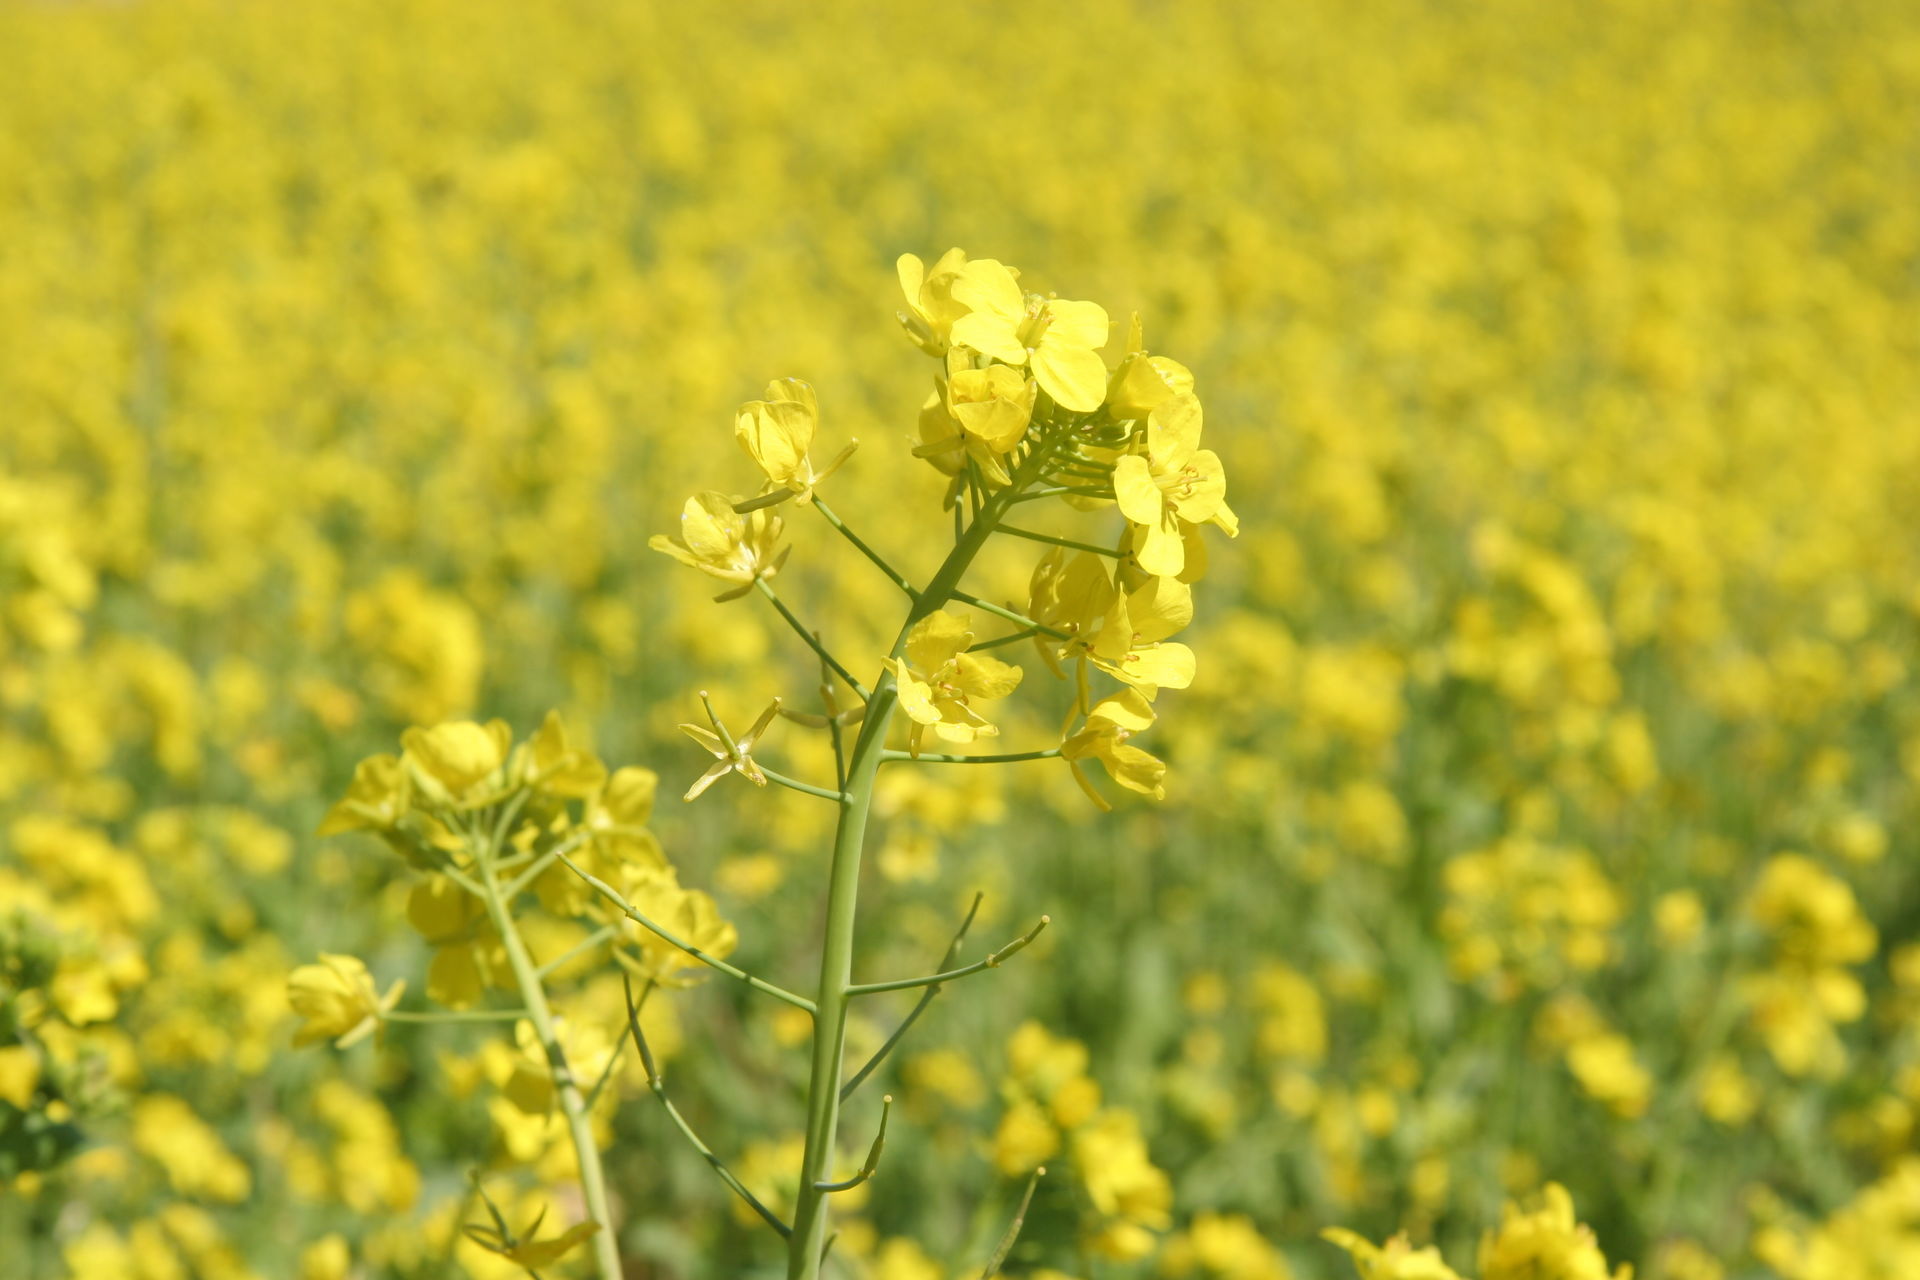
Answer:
[(920, 1007), (1001, 611), (626, 908), (808, 1243), (794, 784), (928, 757), (593, 1184), (456, 1015), (992, 960), (1069, 543), (893, 575), (813, 641), (1025, 633)]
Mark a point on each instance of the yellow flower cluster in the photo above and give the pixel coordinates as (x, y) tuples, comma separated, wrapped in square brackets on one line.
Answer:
[(1545, 1242), (1053, 1108), (1562, 357)]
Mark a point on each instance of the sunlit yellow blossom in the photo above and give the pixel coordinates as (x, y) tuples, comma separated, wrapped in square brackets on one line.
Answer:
[(1104, 737), (1131, 643), (1143, 382), (1174, 481), (939, 680), (719, 541), (992, 405), (1395, 1260), (338, 1001), (454, 759), (1070, 591), (777, 432), (688, 914), (1544, 1243), (375, 800), (931, 309), (1058, 338), (557, 766)]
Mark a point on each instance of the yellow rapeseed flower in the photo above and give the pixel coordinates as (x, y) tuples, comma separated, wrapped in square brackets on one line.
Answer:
[(1104, 736), (1058, 338), (1174, 483), (1545, 1243), (338, 1001), (717, 540), (939, 680)]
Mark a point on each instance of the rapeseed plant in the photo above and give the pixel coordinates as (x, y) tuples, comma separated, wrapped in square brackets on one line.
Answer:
[(1540, 807)]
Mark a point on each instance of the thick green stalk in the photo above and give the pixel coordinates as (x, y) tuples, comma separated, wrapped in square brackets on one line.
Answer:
[(593, 1182), (809, 1238)]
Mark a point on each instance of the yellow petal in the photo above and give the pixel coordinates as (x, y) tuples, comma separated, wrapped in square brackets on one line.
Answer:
[(1161, 666), (776, 434), (1135, 769), (985, 286), (1124, 710), (913, 274), (1076, 324), (1201, 489), (1160, 549), (935, 639), (1173, 432), (984, 676), (1134, 491), (1159, 608), (1075, 377), (990, 334), (916, 697)]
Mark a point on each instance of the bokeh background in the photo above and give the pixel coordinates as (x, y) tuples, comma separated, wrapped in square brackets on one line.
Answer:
[(1544, 807)]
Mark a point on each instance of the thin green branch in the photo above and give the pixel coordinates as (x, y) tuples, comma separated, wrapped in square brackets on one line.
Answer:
[(926, 998), (813, 641), (626, 908), (519, 883), (927, 757), (454, 1015), (579, 948), (1005, 1246), (872, 1163), (893, 575), (991, 961), (1001, 611), (659, 1087), (1032, 536), (804, 788), (1087, 491), (834, 733), (1025, 633), (462, 879), (593, 1187)]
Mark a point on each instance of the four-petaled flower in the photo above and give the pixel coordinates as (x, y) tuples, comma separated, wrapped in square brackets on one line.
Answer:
[(718, 540), (939, 681), (338, 1001), (776, 433), (1104, 736), (1130, 644), (1058, 338), (1176, 481), (730, 754)]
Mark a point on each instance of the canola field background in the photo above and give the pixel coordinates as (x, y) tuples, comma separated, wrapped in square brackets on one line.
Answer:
[(1543, 810)]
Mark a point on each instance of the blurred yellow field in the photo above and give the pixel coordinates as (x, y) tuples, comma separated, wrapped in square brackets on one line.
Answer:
[(1476, 819)]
